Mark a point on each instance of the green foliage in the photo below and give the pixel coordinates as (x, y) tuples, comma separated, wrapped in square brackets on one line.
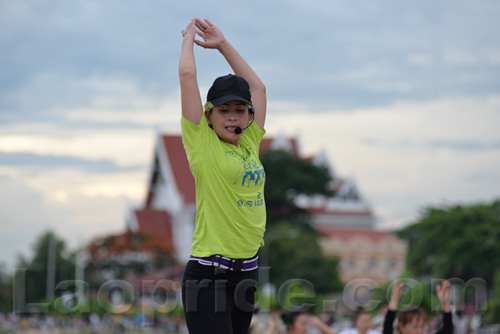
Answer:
[(5, 290), (455, 241), (301, 257), (492, 312), (38, 266), (288, 176), (297, 256)]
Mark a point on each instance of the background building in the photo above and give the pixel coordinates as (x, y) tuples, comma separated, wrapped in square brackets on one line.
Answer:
[(346, 219)]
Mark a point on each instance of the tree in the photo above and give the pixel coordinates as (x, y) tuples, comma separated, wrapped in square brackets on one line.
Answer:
[(455, 242), (115, 255), (51, 263), (300, 256), (5, 290), (288, 176), (492, 313)]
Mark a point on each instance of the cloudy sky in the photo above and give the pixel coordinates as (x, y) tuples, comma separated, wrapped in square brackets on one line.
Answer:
[(402, 96)]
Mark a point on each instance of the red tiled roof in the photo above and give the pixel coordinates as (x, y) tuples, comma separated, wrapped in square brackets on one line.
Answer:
[(156, 222), (265, 145), (180, 167), (344, 233)]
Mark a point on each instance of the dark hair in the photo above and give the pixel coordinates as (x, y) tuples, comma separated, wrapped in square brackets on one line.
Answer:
[(290, 317), (407, 314)]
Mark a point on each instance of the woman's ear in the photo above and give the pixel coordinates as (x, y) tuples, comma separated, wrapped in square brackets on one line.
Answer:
[(251, 118), (208, 113)]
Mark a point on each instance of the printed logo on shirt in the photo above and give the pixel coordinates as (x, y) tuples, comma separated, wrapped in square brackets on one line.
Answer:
[(258, 202), (251, 172)]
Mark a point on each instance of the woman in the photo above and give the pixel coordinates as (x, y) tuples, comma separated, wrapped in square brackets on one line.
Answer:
[(411, 319), (362, 321), (222, 142), (298, 323)]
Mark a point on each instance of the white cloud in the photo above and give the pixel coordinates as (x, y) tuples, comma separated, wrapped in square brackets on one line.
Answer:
[(493, 56), (122, 146), (74, 183), (134, 110), (392, 154), (459, 57), (76, 205), (421, 59), (369, 71)]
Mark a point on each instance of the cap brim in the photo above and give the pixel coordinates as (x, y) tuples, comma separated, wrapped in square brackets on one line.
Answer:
[(226, 98)]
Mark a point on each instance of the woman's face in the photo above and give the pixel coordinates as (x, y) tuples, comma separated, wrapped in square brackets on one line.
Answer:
[(415, 326), (225, 118), (299, 325), (363, 323)]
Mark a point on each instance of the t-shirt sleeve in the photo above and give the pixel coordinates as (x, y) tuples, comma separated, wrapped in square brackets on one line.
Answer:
[(254, 134), (191, 135)]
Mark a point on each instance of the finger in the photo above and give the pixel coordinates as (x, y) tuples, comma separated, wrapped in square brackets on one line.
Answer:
[(200, 43), (210, 24), (200, 33), (202, 25), (190, 25), (399, 289), (199, 27)]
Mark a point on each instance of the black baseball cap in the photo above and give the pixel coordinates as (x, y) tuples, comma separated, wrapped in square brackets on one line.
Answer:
[(229, 88)]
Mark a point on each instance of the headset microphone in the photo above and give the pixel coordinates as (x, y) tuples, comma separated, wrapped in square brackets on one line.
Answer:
[(239, 130)]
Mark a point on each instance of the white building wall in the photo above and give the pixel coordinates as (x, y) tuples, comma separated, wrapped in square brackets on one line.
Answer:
[(167, 196), (183, 229), (347, 221)]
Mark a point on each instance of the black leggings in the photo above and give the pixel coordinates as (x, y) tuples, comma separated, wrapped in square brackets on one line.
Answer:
[(217, 301)]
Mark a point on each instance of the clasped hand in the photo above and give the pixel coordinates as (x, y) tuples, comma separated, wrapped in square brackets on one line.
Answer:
[(212, 36)]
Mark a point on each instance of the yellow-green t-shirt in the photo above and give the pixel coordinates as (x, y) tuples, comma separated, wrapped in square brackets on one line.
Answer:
[(230, 207)]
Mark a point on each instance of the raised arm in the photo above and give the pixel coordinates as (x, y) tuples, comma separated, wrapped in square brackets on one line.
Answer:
[(323, 328), (397, 289), (214, 39), (272, 326), (191, 104), (443, 293)]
